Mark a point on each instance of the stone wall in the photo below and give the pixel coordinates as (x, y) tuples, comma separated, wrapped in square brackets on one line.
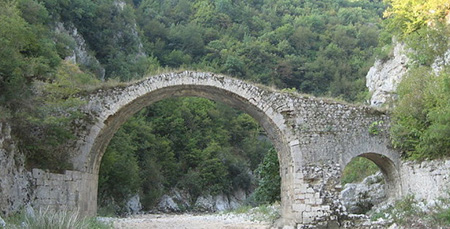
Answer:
[(65, 191), (427, 180)]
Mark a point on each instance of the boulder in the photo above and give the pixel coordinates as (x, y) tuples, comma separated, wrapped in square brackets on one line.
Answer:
[(360, 198)]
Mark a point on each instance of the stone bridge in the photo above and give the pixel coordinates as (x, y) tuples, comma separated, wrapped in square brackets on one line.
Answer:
[(315, 138)]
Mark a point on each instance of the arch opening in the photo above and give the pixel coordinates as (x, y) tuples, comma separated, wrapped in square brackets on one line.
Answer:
[(368, 179), (113, 122), (127, 101), (189, 136)]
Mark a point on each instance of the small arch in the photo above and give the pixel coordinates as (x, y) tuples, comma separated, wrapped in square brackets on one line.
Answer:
[(387, 168)]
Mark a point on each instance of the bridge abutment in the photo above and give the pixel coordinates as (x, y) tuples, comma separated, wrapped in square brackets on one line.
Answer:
[(69, 191)]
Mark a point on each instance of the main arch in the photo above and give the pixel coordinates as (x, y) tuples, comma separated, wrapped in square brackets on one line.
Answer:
[(314, 137)]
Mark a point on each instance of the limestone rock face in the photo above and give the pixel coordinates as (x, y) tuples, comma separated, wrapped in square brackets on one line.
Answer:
[(204, 203), (222, 203), (181, 198), (166, 204), (439, 63), (383, 78), (360, 198), (179, 201), (80, 54), (134, 204), (15, 186)]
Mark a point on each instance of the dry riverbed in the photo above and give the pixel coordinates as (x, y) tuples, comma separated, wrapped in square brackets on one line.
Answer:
[(189, 221), (256, 218)]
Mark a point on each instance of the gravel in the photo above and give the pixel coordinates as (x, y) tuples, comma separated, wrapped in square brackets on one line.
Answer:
[(188, 221)]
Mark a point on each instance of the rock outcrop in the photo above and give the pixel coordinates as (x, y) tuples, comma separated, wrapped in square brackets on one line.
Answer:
[(166, 204), (134, 205), (15, 186), (178, 201), (359, 198), (383, 78), (79, 50)]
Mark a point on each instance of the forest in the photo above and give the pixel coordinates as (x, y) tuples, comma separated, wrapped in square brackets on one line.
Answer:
[(323, 48)]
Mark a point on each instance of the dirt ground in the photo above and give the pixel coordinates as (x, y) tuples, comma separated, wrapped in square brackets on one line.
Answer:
[(189, 221)]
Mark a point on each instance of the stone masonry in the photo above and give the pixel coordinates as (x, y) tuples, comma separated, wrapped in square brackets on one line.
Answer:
[(315, 139), (67, 191)]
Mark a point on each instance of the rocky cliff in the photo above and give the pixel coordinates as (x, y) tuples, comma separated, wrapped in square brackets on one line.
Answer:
[(383, 78), (385, 75)]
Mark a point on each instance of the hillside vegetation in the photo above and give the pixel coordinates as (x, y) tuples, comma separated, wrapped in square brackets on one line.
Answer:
[(318, 47), (421, 117)]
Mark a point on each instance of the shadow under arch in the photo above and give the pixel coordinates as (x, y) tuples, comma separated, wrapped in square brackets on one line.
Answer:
[(388, 169)]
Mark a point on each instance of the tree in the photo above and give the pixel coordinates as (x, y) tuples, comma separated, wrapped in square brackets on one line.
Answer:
[(268, 171), (407, 16)]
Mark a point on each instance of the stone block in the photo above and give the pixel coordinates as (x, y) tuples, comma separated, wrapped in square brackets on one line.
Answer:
[(310, 201), (39, 182), (76, 176), (317, 195), (319, 201), (299, 207), (308, 217), (37, 173)]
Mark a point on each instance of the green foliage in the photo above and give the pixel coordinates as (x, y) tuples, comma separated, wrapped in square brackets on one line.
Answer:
[(429, 44), (49, 117), (408, 16), (192, 144), (421, 119), (305, 45), (45, 218), (268, 190), (358, 169), (374, 127)]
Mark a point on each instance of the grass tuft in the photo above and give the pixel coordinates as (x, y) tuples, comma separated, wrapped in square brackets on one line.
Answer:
[(47, 218)]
